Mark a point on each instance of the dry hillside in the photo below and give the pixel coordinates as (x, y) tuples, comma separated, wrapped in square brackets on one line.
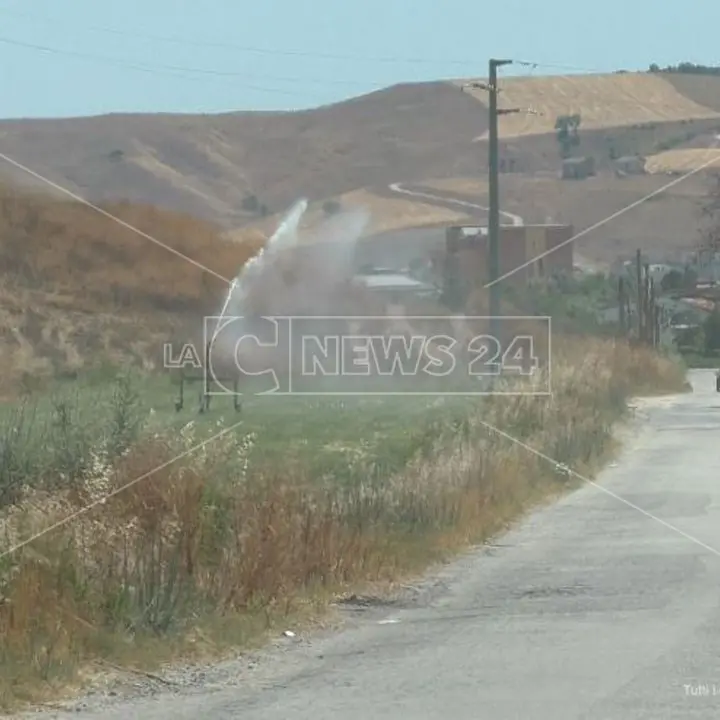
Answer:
[(206, 165), (212, 166), (603, 101), (660, 226), (76, 287)]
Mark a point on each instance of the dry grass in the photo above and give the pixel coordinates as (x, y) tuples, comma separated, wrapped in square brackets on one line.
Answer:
[(46, 336), (464, 186), (396, 213), (68, 248), (77, 288), (603, 101), (386, 214), (682, 160), (213, 540)]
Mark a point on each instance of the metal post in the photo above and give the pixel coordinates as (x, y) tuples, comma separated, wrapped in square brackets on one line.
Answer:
[(652, 313)]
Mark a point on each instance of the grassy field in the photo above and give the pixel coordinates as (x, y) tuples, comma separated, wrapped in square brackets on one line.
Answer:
[(60, 431), (177, 549)]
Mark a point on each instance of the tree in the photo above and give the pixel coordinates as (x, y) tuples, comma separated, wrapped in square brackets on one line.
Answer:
[(686, 68), (566, 130), (250, 203), (711, 332), (690, 278), (673, 280), (331, 207)]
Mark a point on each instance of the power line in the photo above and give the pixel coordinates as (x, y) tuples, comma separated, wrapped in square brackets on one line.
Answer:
[(180, 71), (554, 66), (185, 71), (249, 48)]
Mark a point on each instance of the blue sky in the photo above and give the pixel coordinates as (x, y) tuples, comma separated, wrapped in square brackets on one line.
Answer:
[(280, 54)]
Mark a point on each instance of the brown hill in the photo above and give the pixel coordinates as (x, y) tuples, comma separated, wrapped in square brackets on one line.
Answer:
[(206, 164), (211, 166), (78, 288)]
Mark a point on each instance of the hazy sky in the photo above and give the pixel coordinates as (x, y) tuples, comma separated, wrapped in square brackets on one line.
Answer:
[(144, 55)]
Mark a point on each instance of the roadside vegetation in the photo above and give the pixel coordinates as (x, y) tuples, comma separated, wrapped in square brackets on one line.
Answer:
[(133, 535), (299, 502)]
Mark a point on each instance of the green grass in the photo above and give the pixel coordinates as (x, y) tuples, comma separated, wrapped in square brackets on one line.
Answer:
[(330, 495), (693, 359), (53, 437)]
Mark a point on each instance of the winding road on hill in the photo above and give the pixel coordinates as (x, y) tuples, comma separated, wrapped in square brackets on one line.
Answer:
[(602, 605), (446, 199)]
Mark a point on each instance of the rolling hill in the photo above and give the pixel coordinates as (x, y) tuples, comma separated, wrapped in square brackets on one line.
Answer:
[(234, 168), (603, 101)]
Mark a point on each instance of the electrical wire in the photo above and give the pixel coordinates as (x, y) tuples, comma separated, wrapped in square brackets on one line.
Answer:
[(180, 71), (555, 66), (249, 48), (195, 73)]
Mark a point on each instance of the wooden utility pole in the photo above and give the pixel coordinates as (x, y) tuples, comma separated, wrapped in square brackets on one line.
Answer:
[(639, 309), (494, 197), (493, 259)]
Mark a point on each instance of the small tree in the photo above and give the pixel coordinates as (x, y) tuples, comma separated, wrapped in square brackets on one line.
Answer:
[(673, 280), (566, 129), (711, 332), (331, 207), (250, 203), (690, 278)]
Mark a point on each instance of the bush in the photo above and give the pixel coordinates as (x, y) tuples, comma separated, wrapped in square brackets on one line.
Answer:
[(711, 332), (250, 203), (332, 207)]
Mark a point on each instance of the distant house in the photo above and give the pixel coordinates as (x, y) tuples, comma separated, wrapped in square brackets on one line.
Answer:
[(394, 285), (630, 165), (578, 168)]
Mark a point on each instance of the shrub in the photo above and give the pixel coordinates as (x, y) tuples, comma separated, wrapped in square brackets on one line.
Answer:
[(332, 207)]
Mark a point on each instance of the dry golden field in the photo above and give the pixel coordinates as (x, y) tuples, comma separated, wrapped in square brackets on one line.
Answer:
[(386, 214), (603, 101)]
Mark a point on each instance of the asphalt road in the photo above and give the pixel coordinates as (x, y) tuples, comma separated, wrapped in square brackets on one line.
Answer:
[(589, 609), (451, 200)]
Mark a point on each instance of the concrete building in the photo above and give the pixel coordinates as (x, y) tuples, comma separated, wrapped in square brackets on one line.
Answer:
[(520, 249), (395, 287)]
